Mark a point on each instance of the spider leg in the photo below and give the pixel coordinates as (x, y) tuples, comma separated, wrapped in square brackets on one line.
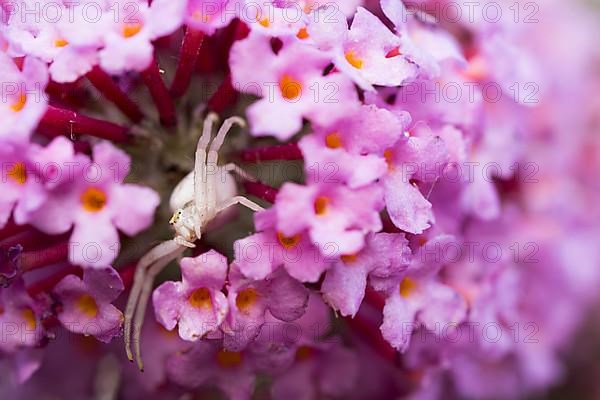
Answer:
[(236, 169), (200, 171), (246, 202), (140, 311), (213, 155), (157, 253)]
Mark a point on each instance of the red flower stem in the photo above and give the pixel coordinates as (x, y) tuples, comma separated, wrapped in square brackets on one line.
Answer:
[(160, 94), (190, 50), (108, 87), (372, 336), (260, 190), (31, 260), (289, 151), (224, 97), (374, 299), (127, 274), (11, 229), (26, 239), (66, 122), (48, 284)]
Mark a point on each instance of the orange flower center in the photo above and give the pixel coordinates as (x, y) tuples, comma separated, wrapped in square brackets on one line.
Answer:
[(349, 259), (30, 320), (60, 43), (246, 299), (18, 173), (200, 298), (290, 87), (302, 34), (333, 140), (93, 200), (353, 59), (131, 29), (229, 359), (407, 287), (198, 16), (87, 305), (389, 158), (20, 103), (321, 205), (265, 22), (288, 242)]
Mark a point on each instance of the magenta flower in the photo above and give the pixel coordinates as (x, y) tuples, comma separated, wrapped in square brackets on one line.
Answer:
[(259, 255), (291, 85), (95, 201), (15, 169), (336, 218), (85, 304), (280, 295), (23, 101), (196, 303)]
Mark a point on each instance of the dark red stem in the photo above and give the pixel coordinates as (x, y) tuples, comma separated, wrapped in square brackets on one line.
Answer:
[(61, 121), (48, 284), (31, 260), (11, 229), (224, 97), (289, 151), (190, 50), (109, 88), (160, 94), (26, 238), (372, 336), (260, 190)]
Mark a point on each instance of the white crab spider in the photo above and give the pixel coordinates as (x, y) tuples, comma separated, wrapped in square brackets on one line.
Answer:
[(199, 199)]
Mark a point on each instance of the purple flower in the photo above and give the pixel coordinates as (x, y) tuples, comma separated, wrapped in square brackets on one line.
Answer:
[(196, 303), (419, 297), (23, 101), (280, 295), (336, 218), (86, 303), (420, 159), (383, 257), (291, 85), (20, 318), (258, 255), (208, 363)]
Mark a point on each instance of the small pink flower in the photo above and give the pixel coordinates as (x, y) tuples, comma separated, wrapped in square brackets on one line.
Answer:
[(86, 304), (291, 84), (196, 303), (23, 101)]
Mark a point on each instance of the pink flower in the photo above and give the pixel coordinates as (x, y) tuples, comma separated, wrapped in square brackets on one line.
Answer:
[(352, 150), (336, 218), (196, 303), (95, 201), (258, 255), (384, 256), (127, 39), (23, 101), (280, 295), (291, 84), (20, 318), (419, 297), (86, 304)]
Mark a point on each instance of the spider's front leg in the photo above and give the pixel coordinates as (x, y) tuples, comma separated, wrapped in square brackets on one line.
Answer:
[(164, 252)]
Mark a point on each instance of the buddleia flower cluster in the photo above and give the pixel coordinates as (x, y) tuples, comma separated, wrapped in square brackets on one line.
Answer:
[(428, 172)]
